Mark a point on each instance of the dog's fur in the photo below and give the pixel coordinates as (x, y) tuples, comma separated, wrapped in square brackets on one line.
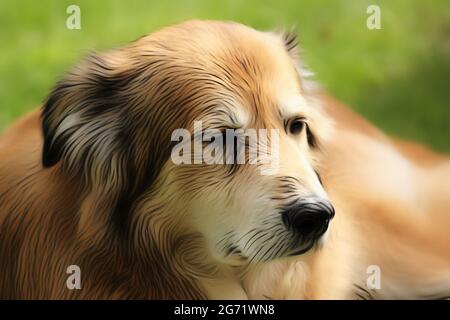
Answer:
[(89, 182)]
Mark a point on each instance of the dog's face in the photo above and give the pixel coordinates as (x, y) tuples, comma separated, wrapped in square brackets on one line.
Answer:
[(113, 120)]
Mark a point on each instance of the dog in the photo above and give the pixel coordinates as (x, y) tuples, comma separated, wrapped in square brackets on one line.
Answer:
[(87, 182)]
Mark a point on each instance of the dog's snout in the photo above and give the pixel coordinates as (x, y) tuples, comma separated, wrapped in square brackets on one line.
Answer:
[(309, 217)]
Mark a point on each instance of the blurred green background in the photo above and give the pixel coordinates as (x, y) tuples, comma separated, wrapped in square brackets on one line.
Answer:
[(397, 77)]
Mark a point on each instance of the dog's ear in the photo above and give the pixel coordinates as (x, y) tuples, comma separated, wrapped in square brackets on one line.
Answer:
[(86, 127), (100, 124), (291, 44), (290, 41), (81, 117)]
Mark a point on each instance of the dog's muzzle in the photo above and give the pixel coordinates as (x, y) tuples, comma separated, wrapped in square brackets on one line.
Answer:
[(308, 217)]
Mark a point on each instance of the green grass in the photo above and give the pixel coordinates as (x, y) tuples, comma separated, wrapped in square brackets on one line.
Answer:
[(398, 77)]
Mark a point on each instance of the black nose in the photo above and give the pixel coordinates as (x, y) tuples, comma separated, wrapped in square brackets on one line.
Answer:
[(309, 217)]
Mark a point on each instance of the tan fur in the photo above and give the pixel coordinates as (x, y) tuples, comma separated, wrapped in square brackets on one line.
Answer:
[(391, 197)]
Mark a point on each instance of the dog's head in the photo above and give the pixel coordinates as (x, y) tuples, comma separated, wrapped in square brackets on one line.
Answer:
[(115, 122)]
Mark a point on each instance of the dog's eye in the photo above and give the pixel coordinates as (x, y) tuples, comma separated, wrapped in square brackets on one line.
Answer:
[(231, 147), (296, 126)]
